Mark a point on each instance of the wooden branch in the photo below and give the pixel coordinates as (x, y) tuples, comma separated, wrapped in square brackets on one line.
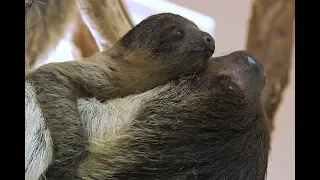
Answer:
[(107, 20), (84, 45), (270, 39)]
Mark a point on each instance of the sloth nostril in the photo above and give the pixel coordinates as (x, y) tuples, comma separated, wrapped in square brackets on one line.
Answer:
[(251, 60)]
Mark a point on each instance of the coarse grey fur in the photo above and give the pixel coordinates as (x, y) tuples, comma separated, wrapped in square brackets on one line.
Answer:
[(161, 48), (206, 126)]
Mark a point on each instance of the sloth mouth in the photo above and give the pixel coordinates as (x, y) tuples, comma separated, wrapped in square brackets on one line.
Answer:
[(209, 52)]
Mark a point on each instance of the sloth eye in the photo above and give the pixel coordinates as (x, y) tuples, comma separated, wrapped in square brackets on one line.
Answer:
[(226, 82), (178, 32)]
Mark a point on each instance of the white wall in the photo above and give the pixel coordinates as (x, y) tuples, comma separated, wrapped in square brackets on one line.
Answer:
[(231, 17)]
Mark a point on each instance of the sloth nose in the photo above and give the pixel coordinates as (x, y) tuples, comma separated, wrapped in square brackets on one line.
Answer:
[(209, 42), (254, 66), (250, 60), (251, 64)]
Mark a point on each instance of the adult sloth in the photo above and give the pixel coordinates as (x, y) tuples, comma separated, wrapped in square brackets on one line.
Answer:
[(205, 126)]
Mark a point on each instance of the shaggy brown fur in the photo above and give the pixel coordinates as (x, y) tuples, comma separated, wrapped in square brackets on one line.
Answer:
[(206, 127), (157, 50)]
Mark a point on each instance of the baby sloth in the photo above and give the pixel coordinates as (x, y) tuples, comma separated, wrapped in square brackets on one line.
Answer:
[(160, 48)]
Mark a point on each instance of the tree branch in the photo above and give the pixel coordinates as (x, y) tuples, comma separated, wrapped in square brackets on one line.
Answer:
[(107, 20), (270, 39), (84, 45)]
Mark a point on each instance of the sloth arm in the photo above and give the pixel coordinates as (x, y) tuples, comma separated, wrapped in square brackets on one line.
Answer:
[(58, 86)]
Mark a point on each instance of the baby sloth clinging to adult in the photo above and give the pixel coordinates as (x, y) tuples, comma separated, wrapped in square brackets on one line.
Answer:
[(160, 48)]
